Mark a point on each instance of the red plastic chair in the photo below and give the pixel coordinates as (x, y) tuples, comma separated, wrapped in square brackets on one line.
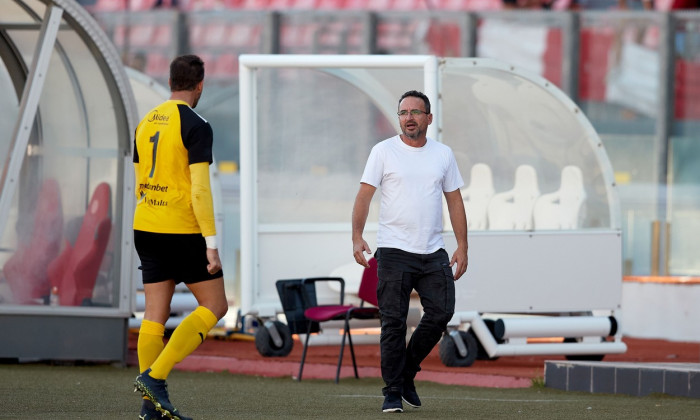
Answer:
[(26, 270), (322, 313), (74, 271)]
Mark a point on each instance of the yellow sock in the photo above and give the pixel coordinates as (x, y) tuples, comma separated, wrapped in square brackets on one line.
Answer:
[(150, 343), (185, 339)]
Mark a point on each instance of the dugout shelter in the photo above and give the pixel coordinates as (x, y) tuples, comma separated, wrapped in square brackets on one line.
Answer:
[(307, 124), (68, 114)]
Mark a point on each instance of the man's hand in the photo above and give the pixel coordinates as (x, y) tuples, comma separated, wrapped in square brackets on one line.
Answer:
[(461, 258), (458, 218), (359, 247), (214, 265)]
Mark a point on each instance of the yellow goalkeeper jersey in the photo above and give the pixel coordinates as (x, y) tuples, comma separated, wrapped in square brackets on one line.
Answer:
[(168, 140)]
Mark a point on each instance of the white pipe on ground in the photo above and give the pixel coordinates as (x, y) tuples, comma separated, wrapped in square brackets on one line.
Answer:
[(607, 347), (564, 326)]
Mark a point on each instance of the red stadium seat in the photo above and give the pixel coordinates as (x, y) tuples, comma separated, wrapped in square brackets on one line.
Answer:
[(26, 271), (74, 272), (379, 5), (195, 5), (356, 4), (331, 4), (409, 5), (221, 33), (479, 5), (157, 64), (596, 44), (232, 4), (163, 35), (225, 66), (141, 34), (453, 4), (215, 33), (209, 62), (304, 4), (687, 91), (243, 35), (552, 57), (139, 5), (355, 38), (331, 35), (396, 37), (279, 4), (298, 36), (444, 39), (254, 4), (197, 34), (119, 36), (109, 6)]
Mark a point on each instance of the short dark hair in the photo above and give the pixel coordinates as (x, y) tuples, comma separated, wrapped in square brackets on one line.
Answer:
[(186, 71), (417, 94)]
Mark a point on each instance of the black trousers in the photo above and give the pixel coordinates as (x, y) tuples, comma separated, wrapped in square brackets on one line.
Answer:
[(399, 273)]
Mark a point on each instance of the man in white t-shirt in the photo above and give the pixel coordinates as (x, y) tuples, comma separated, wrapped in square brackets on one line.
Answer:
[(414, 172)]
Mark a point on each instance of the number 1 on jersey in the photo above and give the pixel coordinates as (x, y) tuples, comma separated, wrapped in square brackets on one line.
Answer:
[(154, 140)]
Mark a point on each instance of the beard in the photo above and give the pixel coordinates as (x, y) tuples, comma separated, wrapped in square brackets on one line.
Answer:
[(196, 100), (414, 135)]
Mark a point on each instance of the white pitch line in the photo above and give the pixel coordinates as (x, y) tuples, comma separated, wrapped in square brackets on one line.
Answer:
[(464, 399)]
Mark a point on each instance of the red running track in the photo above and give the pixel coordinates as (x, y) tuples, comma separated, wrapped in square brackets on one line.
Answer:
[(241, 357)]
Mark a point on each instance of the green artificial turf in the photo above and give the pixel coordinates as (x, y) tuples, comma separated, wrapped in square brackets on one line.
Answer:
[(42, 391)]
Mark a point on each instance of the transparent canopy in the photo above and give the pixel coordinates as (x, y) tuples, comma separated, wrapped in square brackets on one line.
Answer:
[(494, 115), (316, 126), (66, 126)]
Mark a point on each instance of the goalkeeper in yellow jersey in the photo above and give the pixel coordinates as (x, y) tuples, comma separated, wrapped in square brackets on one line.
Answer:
[(174, 232)]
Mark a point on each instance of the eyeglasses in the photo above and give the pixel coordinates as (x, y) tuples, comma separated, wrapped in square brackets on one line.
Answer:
[(414, 112)]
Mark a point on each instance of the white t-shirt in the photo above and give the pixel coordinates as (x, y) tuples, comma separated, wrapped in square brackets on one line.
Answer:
[(413, 180)]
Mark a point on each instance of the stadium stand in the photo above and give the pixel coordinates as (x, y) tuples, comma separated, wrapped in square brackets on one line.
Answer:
[(253, 4), (108, 6), (401, 27), (411, 5), (595, 47), (552, 57), (687, 92), (330, 4)]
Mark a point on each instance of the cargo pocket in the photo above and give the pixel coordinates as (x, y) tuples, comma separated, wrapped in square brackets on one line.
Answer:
[(389, 292), (449, 289)]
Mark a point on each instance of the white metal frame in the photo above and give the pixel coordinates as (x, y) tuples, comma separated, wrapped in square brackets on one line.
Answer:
[(28, 107), (248, 143)]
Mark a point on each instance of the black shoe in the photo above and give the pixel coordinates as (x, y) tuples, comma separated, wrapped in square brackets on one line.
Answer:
[(409, 394), (149, 412), (392, 403), (156, 390)]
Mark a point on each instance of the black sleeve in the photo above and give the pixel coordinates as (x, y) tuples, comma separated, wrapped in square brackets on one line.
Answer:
[(197, 135), (136, 151), (199, 144)]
